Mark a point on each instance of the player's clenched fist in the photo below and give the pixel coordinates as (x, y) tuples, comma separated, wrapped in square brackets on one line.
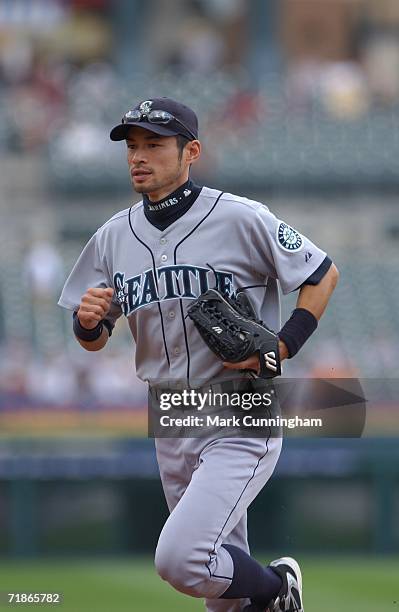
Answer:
[(94, 306)]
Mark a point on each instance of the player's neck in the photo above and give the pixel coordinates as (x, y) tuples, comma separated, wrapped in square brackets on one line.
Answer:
[(166, 211), (156, 198), (163, 194)]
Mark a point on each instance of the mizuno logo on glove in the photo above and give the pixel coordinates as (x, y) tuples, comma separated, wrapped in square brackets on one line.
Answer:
[(230, 328), (270, 361)]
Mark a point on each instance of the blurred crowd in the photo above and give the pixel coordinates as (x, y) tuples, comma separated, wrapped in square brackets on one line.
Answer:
[(68, 378), (44, 99), (40, 363), (58, 67)]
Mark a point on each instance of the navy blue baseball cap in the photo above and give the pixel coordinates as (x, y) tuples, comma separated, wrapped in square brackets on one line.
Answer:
[(162, 116)]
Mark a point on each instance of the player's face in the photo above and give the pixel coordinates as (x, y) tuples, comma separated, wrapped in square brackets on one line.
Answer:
[(155, 165)]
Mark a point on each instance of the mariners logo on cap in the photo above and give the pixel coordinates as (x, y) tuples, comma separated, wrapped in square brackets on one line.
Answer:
[(288, 238), (145, 107)]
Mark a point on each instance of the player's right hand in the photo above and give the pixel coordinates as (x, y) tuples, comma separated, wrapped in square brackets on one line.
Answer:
[(94, 306)]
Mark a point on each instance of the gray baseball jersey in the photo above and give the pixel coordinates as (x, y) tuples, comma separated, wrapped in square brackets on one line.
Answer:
[(156, 273), (222, 240)]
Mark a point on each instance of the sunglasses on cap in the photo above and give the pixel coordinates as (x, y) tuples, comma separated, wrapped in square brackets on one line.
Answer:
[(159, 117)]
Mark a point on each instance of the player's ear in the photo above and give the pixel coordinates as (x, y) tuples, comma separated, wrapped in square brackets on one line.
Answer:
[(193, 151)]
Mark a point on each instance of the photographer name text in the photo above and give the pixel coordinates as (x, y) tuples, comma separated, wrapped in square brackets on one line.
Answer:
[(193, 421)]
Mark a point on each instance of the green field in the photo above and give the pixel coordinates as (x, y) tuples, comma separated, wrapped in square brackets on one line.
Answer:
[(330, 585)]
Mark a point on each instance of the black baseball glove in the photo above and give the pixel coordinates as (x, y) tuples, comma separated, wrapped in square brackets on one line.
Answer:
[(231, 330)]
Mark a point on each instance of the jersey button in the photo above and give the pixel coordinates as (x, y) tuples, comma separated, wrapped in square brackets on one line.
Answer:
[(164, 257), (177, 350), (172, 314), (163, 241)]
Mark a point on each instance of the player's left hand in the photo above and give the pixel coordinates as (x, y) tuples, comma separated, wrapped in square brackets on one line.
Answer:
[(252, 363)]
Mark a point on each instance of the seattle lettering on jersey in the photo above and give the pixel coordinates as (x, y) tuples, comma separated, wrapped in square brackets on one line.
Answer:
[(171, 282)]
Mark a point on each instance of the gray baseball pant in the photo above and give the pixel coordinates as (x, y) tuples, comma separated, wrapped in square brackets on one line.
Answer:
[(208, 487)]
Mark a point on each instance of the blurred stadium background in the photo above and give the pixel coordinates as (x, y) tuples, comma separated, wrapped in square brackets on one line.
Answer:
[(299, 107)]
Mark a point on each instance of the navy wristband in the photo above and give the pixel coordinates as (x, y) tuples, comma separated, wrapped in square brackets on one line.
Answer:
[(108, 325), (88, 335), (299, 327)]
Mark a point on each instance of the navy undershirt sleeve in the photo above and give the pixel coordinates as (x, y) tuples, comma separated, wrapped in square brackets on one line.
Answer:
[(318, 274)]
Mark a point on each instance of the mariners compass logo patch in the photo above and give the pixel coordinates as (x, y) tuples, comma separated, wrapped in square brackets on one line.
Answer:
[(145, 107), (288, 238)]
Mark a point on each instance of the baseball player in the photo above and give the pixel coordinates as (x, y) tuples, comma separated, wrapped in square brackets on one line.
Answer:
[(148, 263)]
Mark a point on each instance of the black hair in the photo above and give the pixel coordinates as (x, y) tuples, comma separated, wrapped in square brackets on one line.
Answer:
[(181, 142)]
